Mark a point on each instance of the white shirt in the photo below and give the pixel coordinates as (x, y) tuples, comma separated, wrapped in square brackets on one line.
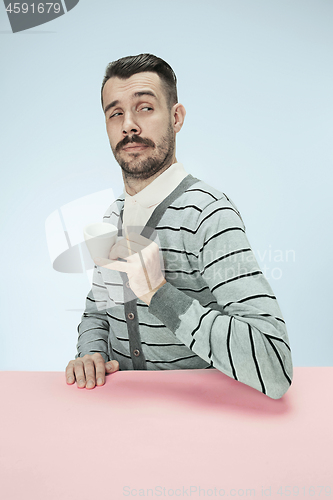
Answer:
[(139, 207)]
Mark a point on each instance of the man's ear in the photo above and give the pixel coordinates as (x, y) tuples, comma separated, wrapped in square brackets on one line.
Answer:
[(178, 116)]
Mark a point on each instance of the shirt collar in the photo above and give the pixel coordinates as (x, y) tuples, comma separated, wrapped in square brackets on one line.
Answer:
[(160, 187)]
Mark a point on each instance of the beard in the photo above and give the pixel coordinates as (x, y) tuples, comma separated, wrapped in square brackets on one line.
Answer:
[(161, 156)]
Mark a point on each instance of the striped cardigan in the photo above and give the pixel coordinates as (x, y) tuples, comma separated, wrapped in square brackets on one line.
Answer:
[(216, 310)]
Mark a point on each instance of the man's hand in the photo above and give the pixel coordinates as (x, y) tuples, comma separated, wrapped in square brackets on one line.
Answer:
[(143, 264), (89, 370)]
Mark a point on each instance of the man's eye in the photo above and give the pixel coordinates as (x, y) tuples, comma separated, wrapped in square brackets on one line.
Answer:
[(146, 108), (115, 114)]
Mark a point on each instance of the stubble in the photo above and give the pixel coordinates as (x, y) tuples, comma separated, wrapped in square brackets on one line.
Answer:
[(160, 158)]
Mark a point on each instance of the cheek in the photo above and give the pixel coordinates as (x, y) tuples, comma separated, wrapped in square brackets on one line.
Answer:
[(154, 127), (112, 135)]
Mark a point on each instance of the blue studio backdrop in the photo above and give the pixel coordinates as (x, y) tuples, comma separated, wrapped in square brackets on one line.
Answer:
[(256, 80)]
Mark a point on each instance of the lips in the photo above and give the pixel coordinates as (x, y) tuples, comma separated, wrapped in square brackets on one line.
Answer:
[(134, 147), (134, 144)]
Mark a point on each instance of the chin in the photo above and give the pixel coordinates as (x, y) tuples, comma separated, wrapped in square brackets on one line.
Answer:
[(140, 170)]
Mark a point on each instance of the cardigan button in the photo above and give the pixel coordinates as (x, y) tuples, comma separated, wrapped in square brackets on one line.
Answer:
[(136, 352), (130, 316), (128, 284)]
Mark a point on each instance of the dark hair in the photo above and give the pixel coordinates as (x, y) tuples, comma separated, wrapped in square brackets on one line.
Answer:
[(130, 65)]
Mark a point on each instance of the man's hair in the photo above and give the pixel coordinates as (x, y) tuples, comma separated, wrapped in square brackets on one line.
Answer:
[(130, 65)]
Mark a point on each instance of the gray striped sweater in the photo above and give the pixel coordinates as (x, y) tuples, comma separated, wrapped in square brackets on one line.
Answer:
[(216, 310)]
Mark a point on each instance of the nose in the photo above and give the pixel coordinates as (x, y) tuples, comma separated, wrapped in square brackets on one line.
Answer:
[(130, 125)]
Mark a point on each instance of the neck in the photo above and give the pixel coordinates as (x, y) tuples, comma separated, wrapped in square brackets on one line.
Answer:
[(134, 186)]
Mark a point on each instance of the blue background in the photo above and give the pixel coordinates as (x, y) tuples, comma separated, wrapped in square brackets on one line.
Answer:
[(256, 80)]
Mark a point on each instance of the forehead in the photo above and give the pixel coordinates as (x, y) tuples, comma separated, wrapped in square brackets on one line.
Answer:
[(121, 89)]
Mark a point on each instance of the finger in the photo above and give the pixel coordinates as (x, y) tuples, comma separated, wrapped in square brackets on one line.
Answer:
[(118, 252), (70, 378), (100, 369), (89, 368), (124, 249), (112, 366), (79, 373), (122, 252), (114, 248)]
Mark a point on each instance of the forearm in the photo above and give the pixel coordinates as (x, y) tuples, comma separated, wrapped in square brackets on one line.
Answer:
[(93, 329), (247, 346)]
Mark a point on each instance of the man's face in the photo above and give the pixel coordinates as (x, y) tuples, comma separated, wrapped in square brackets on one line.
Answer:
[(139, 124)]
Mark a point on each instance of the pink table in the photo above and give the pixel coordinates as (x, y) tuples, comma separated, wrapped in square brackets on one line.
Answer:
[(186, 434)]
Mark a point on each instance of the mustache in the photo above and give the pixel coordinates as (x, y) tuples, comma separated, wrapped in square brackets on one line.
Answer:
[(134, 139)]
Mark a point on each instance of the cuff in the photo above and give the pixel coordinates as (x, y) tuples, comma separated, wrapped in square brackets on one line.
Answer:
[(168, 304)]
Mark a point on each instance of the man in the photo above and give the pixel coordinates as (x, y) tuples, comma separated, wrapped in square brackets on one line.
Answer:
[(207, 304)]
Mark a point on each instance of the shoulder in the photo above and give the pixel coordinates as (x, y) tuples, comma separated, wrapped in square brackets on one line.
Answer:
[(204, 195), (205, 200)]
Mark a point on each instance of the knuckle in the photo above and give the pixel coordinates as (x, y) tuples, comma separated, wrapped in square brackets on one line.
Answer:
[(97, 356), (88, 363)]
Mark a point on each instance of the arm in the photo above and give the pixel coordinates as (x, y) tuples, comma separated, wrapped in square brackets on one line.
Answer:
[(243, 335), (92, 359), (94, 327)]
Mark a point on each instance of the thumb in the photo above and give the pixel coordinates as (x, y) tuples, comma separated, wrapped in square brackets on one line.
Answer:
[(112, 366)]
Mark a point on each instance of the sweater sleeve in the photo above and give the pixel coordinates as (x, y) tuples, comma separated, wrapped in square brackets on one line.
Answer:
[(94, 327), (243, 334)]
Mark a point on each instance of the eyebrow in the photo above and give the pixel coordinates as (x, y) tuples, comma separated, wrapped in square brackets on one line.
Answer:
[(137, 94)]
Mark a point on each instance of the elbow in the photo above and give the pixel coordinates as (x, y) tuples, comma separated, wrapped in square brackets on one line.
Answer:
[(281, 378), (278, 390), (279, 387)]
